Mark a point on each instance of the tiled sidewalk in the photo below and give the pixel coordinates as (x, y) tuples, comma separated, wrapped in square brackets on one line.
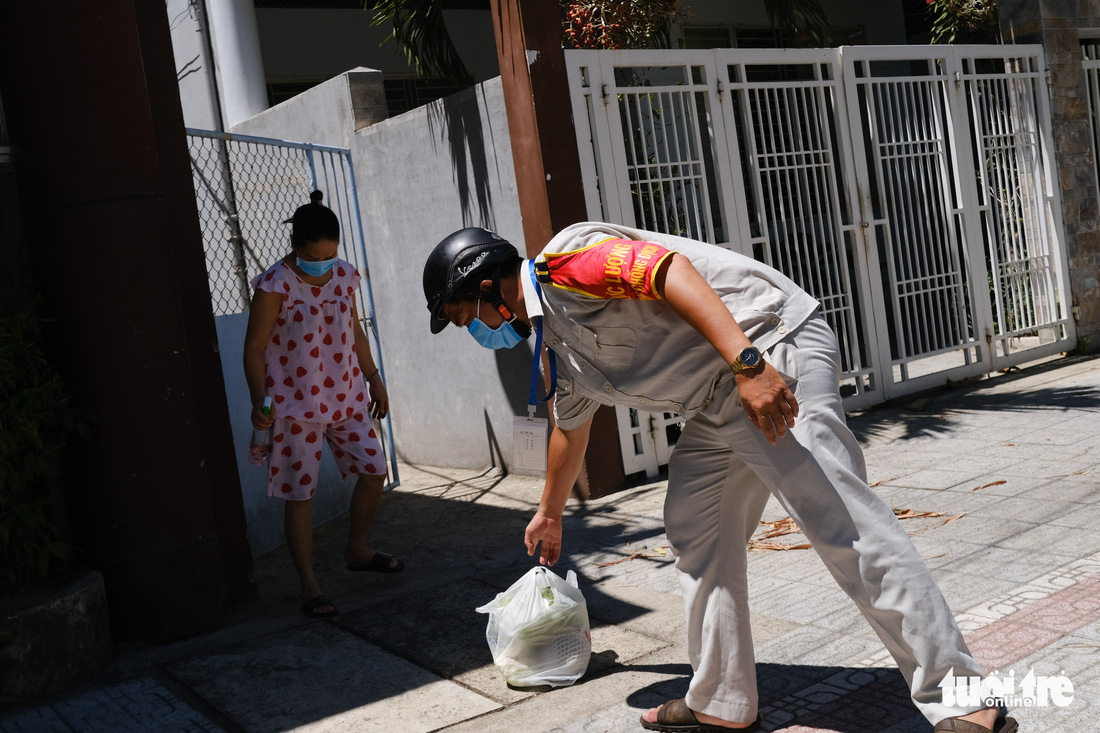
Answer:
[(1016, 456)]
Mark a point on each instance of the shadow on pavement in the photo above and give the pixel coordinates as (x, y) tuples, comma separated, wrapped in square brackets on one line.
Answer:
[(400, 634), (842, 699), (929, 414)]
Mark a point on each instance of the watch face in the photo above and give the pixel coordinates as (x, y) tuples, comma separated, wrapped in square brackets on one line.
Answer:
[(750, 357)]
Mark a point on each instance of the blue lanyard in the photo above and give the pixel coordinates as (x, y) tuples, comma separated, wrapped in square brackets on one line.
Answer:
[(538, 355)]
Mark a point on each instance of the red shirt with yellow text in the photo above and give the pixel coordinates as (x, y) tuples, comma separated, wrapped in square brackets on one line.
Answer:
[(612, 268)]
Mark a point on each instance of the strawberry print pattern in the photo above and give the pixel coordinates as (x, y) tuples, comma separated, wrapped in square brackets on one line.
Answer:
[(312, 344), (294, 469)]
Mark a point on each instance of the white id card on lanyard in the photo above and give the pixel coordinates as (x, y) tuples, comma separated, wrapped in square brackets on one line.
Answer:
[(529, 434), (529, 443)]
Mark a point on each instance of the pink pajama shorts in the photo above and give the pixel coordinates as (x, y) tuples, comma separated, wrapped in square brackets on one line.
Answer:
[(296, 453)]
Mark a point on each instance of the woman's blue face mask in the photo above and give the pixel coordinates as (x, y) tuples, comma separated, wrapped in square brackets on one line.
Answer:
[(316, 269), (501, 337)]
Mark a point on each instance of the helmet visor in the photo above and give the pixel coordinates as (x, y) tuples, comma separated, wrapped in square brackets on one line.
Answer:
[(438, 320)]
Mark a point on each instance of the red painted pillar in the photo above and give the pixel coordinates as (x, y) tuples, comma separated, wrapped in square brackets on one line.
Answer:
[(540, 119), (111, 223), (548, 169)]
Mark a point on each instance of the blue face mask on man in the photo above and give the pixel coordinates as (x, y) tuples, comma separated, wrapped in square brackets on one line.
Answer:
[(501, 337), (316, 269)]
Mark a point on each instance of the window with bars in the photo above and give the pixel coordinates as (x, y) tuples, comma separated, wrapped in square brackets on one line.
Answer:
[(278, 92), (402, 95), (724, 36), (706, 37)]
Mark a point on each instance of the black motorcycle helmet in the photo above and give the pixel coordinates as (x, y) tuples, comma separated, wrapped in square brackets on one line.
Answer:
[(459, 262)]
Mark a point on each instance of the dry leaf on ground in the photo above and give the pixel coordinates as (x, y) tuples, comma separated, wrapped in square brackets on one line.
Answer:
[(778, 527), (910, 514), (1068, 475), (949, 520), (781, 546), (636, 555)]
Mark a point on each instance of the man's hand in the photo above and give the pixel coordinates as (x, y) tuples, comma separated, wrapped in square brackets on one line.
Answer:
[(546, 530), (768, 401)]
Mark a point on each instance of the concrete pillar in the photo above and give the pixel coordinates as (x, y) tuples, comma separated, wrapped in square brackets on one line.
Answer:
[(240, 67), (368, 97), (195, 74), (1059, 26)]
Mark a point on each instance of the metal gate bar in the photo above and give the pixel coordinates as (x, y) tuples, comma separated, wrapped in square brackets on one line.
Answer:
[(1017, 201), (910, 149), (799, 214), (980, 89)]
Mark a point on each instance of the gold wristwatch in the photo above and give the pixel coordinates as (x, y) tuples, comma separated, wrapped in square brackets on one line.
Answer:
[(749, 358)]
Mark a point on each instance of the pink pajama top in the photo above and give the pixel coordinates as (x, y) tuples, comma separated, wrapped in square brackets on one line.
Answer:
[(312, 369)]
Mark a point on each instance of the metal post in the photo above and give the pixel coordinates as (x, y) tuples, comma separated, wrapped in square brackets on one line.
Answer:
[(395, 478)]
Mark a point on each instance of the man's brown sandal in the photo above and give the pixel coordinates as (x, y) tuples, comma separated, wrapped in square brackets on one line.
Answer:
[(676, 717), (954, 725)]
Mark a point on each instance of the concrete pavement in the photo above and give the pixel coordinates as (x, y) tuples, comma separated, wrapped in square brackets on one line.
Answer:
[(1001, 475)]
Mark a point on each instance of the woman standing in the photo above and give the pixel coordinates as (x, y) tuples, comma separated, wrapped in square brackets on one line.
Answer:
[(306, 349)]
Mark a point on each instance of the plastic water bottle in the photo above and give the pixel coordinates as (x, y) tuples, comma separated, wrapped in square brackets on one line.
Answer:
[(260, 448)]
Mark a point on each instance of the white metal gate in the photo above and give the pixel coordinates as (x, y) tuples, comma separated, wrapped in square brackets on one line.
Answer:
[(908, 188)]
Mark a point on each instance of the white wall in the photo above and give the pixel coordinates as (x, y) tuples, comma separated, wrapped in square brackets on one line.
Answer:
[(421, 176), (322, 115), (194, 67)]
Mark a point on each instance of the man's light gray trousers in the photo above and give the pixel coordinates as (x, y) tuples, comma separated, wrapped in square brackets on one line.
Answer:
[(720, 476)]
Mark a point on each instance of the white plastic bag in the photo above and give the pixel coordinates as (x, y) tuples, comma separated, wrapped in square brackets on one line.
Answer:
[(538, 630)]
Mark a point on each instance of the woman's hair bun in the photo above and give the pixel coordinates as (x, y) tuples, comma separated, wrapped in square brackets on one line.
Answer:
[(313, 222)]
